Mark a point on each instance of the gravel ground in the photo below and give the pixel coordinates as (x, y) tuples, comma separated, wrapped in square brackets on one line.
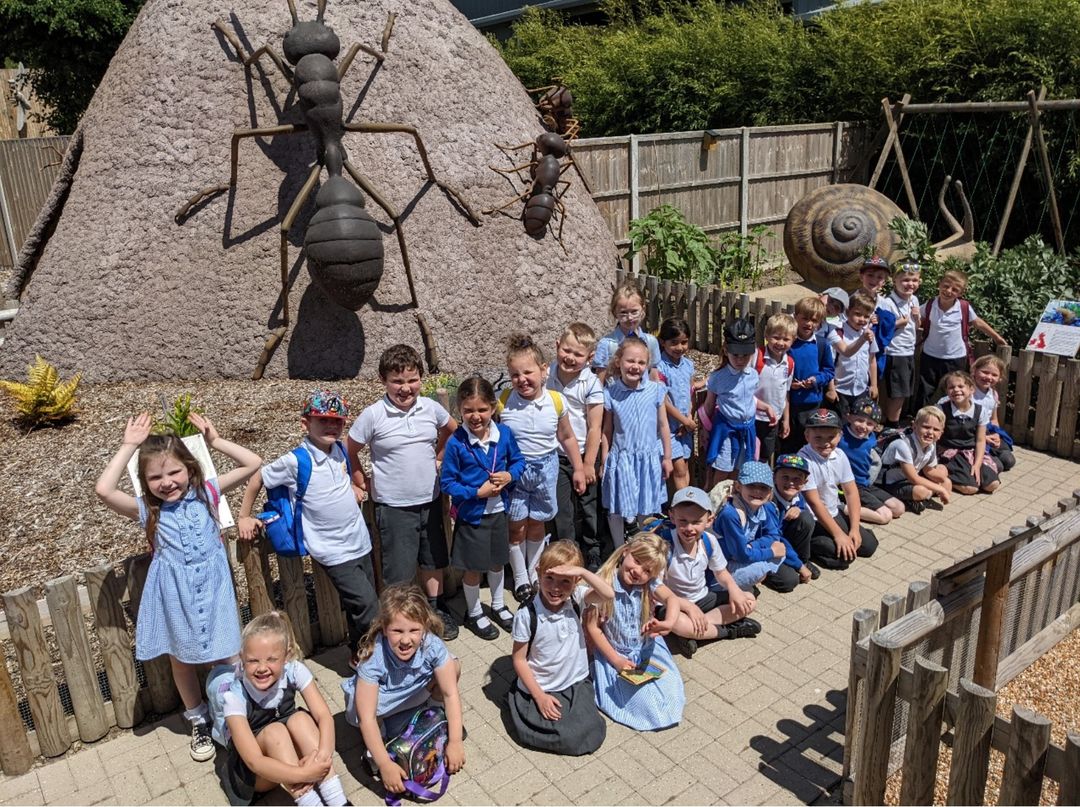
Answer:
[(1051, 687)]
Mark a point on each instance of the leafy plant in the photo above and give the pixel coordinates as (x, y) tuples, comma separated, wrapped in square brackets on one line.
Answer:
[(673, 248), (175, 420), (913, 239), (44, 399), (741, 260), (446, 381)]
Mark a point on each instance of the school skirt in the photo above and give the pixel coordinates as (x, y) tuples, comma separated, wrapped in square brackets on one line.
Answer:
[(580, 730), (481, 547)]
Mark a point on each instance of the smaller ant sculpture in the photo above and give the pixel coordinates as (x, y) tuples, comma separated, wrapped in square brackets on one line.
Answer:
[(545, 186), (556, 108)]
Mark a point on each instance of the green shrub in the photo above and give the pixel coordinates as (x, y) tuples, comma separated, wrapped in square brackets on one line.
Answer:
[(672, 247), (741, 260), (175, 419)]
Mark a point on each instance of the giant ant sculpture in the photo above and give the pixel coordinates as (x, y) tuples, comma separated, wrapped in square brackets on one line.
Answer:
[(343, 241), (556, 109), (545, 186)]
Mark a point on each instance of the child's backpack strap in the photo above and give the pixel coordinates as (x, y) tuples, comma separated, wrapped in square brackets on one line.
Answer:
[(504, 396), (759, 359), (560, 403), (925, 321), (215, 497), (345, 454), (303, 477), (530, 606)]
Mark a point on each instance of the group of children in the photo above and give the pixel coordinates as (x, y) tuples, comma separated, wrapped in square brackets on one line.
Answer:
[(571, 463)]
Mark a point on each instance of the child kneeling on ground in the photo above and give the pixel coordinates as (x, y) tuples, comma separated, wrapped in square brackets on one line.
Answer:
[(268, 740), (717, 611), (553, 706)]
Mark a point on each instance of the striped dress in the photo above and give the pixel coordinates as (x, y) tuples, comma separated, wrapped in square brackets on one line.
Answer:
[(633, 484), (679, 380), (648, 707)]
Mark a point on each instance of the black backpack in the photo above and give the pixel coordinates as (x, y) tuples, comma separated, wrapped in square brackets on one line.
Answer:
[(530, 606)]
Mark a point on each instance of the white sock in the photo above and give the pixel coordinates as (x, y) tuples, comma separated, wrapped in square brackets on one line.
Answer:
[(200, 714), (532, 555), (517, 563), (472, 605), (497, 584), (331, 792), (310, 799), (617, 527)]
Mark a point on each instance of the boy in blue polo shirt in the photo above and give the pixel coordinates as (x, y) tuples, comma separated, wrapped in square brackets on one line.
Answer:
[(813, 369)]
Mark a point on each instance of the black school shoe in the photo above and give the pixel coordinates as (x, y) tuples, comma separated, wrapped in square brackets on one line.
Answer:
[(503, 617), (682, 645), (488, 632), (745, 628), (815, 572), (450, 626)]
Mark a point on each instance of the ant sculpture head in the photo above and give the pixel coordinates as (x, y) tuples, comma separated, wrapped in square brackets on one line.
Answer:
[(309, 37)]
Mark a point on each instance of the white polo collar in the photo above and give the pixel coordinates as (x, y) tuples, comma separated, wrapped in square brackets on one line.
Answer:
[(490, 438)]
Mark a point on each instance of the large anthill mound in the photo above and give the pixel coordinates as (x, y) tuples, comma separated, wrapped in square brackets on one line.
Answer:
[(119, 290)]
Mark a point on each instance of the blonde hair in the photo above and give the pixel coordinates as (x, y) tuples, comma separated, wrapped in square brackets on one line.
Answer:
[(613, 363), (625, 291), (781, 323), (559, 553), (520, 344), (862, 301), (402, 598), (580, 333), (989, 359), (275, 623), (931, 412), (955, 276), (810, 307), (648, 549)]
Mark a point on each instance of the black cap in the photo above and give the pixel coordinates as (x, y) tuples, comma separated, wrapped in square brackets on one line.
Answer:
[(867, 407), (819, 418), (740, 338)]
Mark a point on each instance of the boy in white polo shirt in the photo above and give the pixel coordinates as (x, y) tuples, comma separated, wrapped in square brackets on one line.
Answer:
[(898, 381), (856, 352), (584, 397), (775, 370), (405, 433), (836, 541), (334, 531)]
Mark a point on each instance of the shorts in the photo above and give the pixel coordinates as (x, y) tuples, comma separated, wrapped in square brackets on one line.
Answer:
[(411, 537), (902, 490), (899, 376), (872, 496), (711, 600), (533, 495), (682, 446)]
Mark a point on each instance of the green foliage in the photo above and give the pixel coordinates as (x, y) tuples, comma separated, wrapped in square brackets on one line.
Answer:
[(913, 239), (44, 399), (175, 419), (447, 381), (67, 45), (673, 248), (741, 259)]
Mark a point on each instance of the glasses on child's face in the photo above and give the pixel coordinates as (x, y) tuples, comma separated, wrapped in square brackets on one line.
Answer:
[(629, 316)]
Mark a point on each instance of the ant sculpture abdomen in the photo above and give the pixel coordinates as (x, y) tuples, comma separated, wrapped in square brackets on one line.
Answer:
[(343, 242)]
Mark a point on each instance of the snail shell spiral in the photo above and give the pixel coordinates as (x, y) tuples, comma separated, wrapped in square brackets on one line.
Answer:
[(827, 231)]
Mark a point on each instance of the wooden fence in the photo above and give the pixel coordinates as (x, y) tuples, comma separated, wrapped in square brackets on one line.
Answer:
[(925, 668), (27, 171)]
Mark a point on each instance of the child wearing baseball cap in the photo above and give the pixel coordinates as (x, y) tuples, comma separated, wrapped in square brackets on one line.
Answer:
[(334, 530), (796, 519)]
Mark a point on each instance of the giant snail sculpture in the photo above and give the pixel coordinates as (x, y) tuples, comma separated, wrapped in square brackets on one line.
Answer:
[(828, 231)]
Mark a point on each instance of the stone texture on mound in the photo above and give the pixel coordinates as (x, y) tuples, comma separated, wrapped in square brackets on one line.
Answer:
[(123, 292)]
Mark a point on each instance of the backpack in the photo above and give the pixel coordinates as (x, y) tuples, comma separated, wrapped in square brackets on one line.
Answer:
[(665, 529), (965, 324), (420, 750), (759, 362), (556, 397), (530, 606), (281, 517), (877, 453)]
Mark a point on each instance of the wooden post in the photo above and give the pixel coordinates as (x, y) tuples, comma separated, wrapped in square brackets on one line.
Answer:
[(729, 311), (995, 594), (759, 320), (894, 136), (1047, 170), (972, 732), (635, 200), (1070, 402), (716, 322), (69, 630), (106, 593), (332, 627), (35, 666), (652, 302), (1025, 361), (1046, 411), (1069, 792), (875, 736), (159, 680), (250, 555), (837, 149), (1004, 352), (924, 733), (294, 592), (693, 311), (1021, 782), (894, 116), (744, 181), (892, 608), (15, 755), (1015, 188), (862, 625)]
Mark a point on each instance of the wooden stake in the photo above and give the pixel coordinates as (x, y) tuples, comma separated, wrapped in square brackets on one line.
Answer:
[(1017, 177), (894, 116), (995, 594), (973, 734), (924, 733), (1025, 760), (1048, 173)]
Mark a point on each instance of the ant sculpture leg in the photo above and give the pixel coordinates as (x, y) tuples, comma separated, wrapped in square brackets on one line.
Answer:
[(253, 56), (379, 56), (411, 130), (432, 354), (519, 198)]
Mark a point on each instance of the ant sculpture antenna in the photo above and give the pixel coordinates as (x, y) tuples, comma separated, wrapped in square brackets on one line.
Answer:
[(292, 12)]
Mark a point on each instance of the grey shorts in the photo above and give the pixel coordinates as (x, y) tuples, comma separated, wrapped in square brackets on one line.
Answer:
[(412, 537)]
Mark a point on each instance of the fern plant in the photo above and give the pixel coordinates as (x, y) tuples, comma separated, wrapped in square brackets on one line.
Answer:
[(44, 399), (175, 420)]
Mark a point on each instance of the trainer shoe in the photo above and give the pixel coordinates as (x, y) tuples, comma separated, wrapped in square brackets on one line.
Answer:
[(523, 592), (202, 744), (680, 644), (915, 507), (450, 626)]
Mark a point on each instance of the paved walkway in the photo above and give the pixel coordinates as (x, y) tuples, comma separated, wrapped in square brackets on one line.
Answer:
[(763, 722)]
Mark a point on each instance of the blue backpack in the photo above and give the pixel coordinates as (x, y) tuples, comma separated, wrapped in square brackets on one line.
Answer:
[(281, 518), (666, 530)]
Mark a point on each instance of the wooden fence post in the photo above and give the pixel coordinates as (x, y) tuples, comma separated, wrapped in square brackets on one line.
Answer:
[(1046, 411), (35, 665), (106, 591), (744, 181), (15, 756), (973, 732), (251, 556), (294, 593), (1021, 782), (635, 200), (69, 630), (862, 625), (875, 736), (1004, 352), (924, 733), (995, 595), (1069, 791), (1025, 362), (159, 680), (1070, 401)]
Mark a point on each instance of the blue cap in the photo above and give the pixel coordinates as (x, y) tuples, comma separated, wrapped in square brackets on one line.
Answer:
[(792, 462), (692, 495), (755, 473)]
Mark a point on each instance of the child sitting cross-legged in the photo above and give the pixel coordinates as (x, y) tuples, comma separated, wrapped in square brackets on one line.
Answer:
[(796, 518), (553, 706), (749, 530), (909, 466), (858, 441), (716, 609)]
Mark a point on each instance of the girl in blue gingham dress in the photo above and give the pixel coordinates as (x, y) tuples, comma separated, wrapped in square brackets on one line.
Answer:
[(677, 373), (188, 605), (636, 449), (626, 635)]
